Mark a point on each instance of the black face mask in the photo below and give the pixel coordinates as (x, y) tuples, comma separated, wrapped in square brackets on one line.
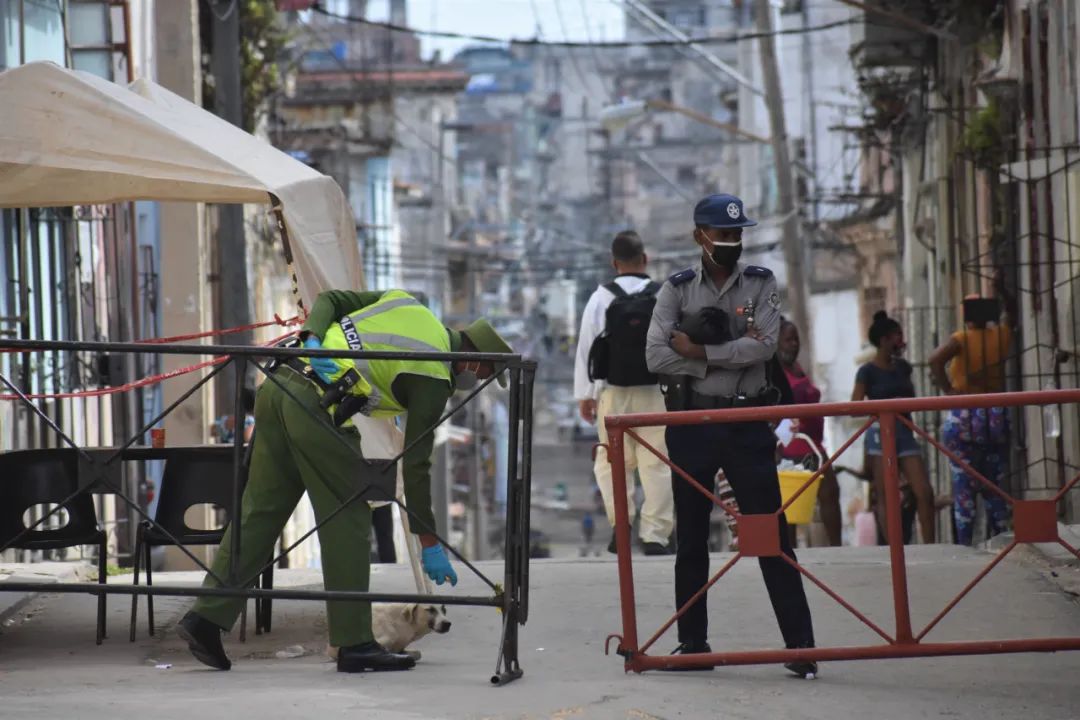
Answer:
[(726, 255)]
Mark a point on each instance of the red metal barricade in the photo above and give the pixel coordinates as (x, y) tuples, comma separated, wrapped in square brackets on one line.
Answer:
[(1034, 521)]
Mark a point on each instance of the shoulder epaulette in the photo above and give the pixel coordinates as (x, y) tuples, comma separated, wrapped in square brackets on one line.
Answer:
[(756, 271), (682, 277)]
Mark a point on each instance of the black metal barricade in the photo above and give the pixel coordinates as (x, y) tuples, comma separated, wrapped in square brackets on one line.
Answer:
[(512, 596)]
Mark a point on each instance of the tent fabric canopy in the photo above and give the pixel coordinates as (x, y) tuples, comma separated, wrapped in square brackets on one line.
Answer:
[(71, 138)]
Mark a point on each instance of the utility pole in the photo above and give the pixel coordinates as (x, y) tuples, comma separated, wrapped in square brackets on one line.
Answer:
[(794, 256), (476, 524), (811, 114), (233, 294)]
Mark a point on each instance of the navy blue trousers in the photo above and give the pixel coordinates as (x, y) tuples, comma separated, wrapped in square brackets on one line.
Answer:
[(746, 453)]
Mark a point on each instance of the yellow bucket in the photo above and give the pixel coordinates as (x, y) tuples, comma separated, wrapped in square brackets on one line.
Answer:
[(800, 512)]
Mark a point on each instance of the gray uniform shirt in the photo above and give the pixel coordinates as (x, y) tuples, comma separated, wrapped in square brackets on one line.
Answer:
[(732, 367)]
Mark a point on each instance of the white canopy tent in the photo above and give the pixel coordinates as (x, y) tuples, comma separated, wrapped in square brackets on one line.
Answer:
[(71, 138)]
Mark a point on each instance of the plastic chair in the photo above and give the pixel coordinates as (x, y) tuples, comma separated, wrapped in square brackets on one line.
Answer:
[(193, 476), (39, 477)]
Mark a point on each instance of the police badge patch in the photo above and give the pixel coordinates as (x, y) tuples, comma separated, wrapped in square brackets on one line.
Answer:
[(774, 301), (733, 211)]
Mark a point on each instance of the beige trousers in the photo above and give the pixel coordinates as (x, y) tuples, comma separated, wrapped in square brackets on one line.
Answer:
[(658, 508)]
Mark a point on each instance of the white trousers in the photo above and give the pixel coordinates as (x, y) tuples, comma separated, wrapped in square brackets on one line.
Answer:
[(658, 508)]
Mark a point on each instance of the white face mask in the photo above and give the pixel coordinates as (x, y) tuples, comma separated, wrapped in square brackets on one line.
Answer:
[(467, 379)]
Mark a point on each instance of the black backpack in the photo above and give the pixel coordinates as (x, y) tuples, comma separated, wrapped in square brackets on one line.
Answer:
[(618, 354)]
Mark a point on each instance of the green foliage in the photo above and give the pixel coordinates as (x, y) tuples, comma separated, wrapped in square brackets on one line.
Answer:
[(984, 140), (262, 39), (111, 570)]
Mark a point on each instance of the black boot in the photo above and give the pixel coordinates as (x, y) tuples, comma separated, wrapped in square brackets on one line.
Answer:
[(694, 647), (611, 548), (204, 641), (371, 656)]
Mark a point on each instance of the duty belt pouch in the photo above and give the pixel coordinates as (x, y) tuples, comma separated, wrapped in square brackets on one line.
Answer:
[(335, 398), (340, 401), (676, 390)]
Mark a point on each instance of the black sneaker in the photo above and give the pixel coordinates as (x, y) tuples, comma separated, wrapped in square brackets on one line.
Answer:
[(204, 641), (655, 548), (806, 669), (694, 647), (611, 546)]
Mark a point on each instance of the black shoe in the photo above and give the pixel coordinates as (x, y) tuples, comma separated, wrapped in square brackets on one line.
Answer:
[(655, 548), (204, 641), (611, 546), (694, 647), (806, 669), (371, 656)]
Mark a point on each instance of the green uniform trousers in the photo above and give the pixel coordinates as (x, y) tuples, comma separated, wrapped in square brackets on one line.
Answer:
[(294, 452)]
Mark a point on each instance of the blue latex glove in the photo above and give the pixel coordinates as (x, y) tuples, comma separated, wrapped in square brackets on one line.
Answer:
[(325, 367), (437, 565)]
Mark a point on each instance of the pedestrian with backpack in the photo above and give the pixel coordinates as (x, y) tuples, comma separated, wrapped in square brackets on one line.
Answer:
[(611, 377)]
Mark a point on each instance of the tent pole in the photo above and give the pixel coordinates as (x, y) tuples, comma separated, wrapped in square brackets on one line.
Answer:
[(279, 218)]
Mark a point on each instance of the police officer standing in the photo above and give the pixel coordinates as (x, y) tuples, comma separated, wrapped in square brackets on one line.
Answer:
[(725, 375)]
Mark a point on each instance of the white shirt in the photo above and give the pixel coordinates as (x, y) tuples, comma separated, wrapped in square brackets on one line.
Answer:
[(592, 324)]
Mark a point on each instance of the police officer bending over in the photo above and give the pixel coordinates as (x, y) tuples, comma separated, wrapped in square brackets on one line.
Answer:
[(294, 453), (726, 367)]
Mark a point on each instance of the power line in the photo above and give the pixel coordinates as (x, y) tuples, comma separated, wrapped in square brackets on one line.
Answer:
[(573, 57), (377, 256), (902, 18), (721, 40), (550, 262), (592, 47), (314, 33)]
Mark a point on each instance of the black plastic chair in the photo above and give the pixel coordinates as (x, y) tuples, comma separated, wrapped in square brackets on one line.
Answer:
[(47, 477), (193, 476)]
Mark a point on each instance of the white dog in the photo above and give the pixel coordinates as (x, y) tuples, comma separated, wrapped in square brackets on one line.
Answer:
[(397, 625)]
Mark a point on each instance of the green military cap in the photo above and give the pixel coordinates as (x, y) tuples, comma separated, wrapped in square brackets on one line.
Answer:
[(484, 338)]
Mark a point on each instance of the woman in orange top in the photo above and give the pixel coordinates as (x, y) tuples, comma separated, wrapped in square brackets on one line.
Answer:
[(975, 357)]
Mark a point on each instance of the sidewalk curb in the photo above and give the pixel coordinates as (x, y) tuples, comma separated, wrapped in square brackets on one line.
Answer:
[(11, 603), (1051, 552), (1053, 562)]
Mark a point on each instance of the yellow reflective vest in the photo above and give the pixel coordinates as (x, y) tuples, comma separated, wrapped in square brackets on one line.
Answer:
[(397, 322)]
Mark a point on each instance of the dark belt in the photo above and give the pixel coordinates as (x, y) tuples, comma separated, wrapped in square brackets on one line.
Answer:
[(698, 401), (305, 371)]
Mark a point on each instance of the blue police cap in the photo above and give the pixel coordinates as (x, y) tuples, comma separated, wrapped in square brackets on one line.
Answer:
[(721, 211)]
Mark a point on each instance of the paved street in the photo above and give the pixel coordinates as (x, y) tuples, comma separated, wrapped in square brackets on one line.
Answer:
[(50, 667), (570, 464)]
